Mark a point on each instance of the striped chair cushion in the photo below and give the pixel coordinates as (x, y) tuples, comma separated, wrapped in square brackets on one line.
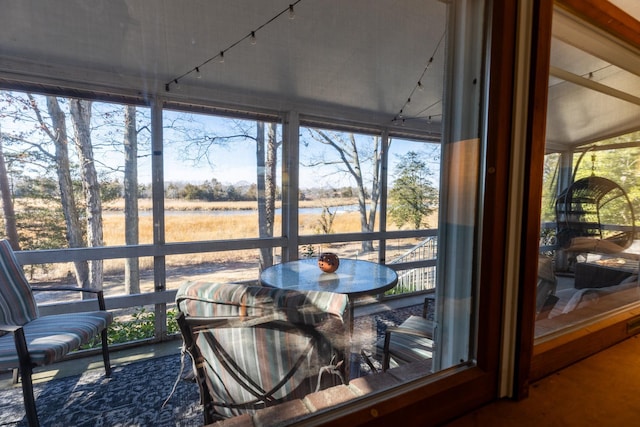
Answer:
[(282, 357), (228, 299), (49, 338), (253, 362), (17, 305)]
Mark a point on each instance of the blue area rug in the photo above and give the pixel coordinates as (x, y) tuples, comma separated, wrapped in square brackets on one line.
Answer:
[(133, 396)]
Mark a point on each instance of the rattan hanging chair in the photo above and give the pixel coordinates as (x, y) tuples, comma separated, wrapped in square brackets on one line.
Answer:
[(594, 214)]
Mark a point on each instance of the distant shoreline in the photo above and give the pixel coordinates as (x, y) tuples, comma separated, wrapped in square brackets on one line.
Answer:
[(201, 205)]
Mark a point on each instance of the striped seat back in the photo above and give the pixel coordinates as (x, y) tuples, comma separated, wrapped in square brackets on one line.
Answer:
[(17, 305), (276, 355)]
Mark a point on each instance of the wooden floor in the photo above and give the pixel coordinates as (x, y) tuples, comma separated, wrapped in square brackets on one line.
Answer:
[(602, 390)]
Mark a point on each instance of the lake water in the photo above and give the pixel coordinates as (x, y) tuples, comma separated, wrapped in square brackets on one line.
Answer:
[(301, 211)]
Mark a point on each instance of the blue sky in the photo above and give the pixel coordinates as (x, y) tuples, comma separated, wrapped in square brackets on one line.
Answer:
[(237, 163), (233, 161)]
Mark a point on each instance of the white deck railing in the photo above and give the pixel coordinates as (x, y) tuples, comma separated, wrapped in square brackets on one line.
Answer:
[(420, 278)]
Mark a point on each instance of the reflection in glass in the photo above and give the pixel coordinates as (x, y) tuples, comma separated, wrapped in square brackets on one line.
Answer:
[(588, 263)]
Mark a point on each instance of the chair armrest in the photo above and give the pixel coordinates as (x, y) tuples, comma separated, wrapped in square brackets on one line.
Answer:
[(191, 325), (198, 323), (64, 288), (9, 328), (20, 343), (99, 293)]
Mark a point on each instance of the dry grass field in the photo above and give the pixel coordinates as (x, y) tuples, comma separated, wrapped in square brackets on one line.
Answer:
[(189, 221)]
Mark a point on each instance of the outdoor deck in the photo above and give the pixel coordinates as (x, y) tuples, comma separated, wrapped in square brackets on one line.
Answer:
[(76, 392)]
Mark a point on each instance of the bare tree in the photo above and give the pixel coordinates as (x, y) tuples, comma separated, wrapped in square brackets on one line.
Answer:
[(10, 226), (58, 134), (131, 233), (49, 145), (271, 166), (266, 156), (36, 152), (81, 118), (200, 146), (349, 159)]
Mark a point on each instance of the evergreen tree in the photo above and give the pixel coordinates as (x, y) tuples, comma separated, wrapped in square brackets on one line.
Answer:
[(413, 197)]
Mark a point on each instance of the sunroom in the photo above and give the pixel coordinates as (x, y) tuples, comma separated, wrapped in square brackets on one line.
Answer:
[(145, 146)]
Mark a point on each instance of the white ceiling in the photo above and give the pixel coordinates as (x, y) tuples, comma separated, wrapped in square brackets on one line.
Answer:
[(594, 86), (357, 60)]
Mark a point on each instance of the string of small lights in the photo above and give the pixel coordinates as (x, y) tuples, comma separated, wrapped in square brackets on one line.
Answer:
[(220, 55), (400, 117)]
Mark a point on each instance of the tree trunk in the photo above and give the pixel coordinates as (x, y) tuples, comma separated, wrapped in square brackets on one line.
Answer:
[(375, 189), (131, 233), (67, 198), (272, 162), (10, 227), (348, 153), (266, 258), (81, 118), (356, 172)]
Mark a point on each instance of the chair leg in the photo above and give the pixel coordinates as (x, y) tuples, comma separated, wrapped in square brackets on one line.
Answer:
[(29, 400), (105, 353), (368, 361), (386, 356), (26, 369)]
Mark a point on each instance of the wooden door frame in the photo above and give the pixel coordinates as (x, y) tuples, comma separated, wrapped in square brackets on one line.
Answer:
[(537, 361)]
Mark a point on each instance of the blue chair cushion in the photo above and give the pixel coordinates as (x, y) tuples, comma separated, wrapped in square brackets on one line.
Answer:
[(49, 338)]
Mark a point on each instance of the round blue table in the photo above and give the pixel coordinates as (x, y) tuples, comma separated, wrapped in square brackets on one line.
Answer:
[(353, 277)]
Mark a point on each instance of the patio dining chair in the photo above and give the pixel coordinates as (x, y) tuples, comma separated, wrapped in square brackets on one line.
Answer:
[(28, 340), (255, 347), (411, 341)]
